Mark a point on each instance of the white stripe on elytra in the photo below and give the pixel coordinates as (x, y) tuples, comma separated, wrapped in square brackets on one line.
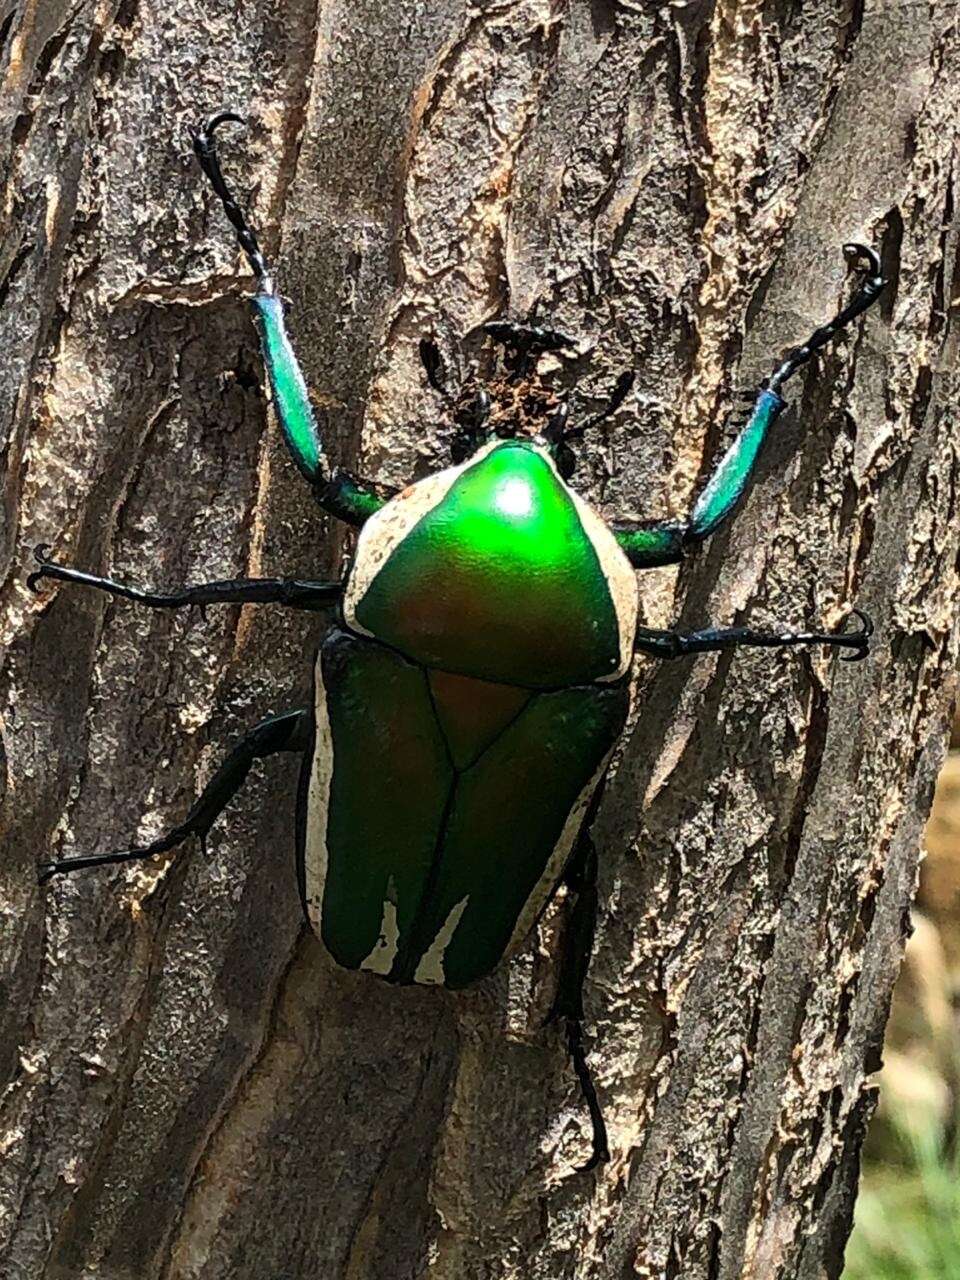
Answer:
[(381, 958), (621, 579), (315, 854), (430, 968)]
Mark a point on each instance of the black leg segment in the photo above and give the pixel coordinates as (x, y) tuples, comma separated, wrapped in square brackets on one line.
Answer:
[(870, 288), (581, 877), (288, 732), (286, 591), (676, 644), (205, 149)]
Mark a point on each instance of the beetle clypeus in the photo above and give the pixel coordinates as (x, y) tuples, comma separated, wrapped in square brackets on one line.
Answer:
[(469, 697)]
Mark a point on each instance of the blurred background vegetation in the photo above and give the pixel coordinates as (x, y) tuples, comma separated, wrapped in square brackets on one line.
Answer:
[(907, 1220)]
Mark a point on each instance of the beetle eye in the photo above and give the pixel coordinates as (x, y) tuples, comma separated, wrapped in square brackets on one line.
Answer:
[(566, 460)]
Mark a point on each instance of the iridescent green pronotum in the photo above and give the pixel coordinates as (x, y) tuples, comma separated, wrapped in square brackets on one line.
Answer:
[(474, 684)]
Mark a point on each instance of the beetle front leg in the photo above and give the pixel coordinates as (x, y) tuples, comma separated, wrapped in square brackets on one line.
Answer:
[(342, 494), (651, 543), (286, 591), (677, 644), (581, 877), (288, 732)]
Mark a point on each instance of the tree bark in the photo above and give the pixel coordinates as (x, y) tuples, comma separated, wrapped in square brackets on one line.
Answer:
[(191, 1091)]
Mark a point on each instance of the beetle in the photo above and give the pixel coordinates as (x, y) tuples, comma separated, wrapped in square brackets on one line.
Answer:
[(476, 681)]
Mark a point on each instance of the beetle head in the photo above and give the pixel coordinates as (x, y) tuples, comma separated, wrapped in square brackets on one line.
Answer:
[(514, 399)]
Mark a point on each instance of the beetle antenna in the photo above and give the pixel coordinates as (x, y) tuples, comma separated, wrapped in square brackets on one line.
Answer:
[(869, 288), (205, 149), (622, 388)]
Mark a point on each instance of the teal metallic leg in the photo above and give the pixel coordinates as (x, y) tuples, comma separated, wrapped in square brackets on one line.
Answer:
[(285, 591), (289, 732), (581, 878), (652, 543), (676, 644), (342, 494)]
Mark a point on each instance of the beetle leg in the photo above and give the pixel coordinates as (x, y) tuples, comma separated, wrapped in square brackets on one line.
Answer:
[(675, 644), (288, 732), (581, 876), (340, 493), (651, 543), (287, 591)]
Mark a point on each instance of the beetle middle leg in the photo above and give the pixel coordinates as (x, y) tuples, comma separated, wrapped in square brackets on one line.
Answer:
[(288, 732), (581, 877), (677, 644), (291, 592)]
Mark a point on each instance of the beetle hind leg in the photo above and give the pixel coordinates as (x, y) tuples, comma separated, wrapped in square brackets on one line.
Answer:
[(581, 876), (289, 732)]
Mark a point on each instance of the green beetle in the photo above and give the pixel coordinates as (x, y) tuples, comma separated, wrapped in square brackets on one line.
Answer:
[(468, 700)]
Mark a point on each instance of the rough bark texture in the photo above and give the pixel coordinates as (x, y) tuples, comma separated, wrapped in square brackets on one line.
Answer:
[(190, 1090)]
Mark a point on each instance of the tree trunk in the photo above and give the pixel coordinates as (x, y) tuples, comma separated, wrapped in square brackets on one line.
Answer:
[(191, 1090)]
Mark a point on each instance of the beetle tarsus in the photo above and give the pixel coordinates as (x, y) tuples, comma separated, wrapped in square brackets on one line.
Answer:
[(40, 554), (290, 592), (580, 877), (205, 149), (601, 1150), (858, 640), (868, 290), (65, 866), (680, 644)]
